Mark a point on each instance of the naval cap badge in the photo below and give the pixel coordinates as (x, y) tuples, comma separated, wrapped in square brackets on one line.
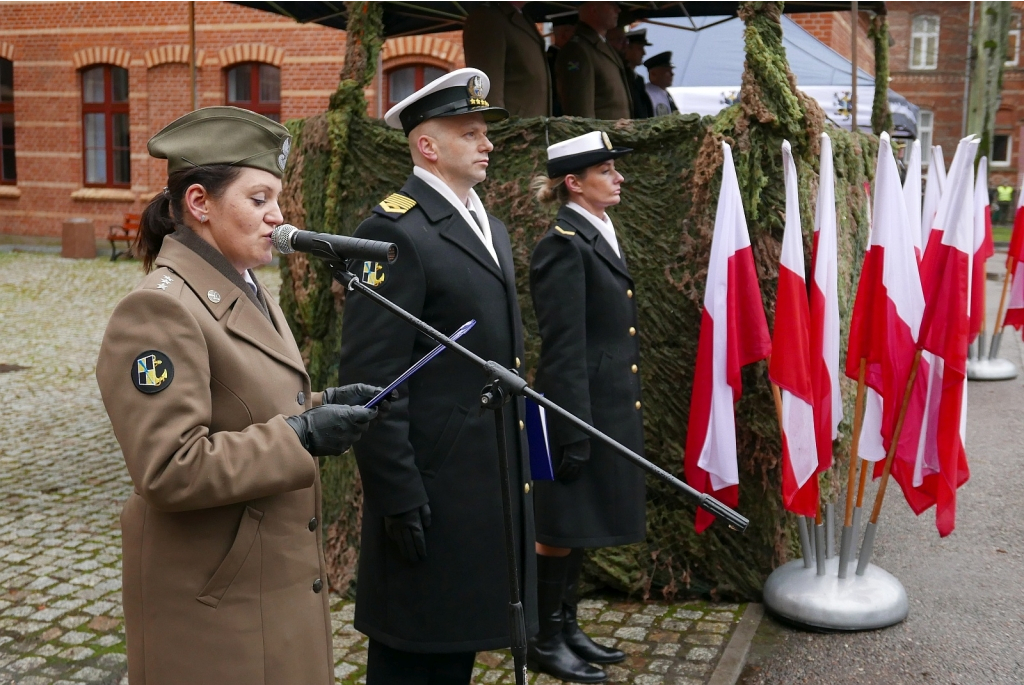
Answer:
[(475, 86)]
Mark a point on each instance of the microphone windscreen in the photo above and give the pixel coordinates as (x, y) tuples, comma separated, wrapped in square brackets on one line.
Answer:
[(282, 238)]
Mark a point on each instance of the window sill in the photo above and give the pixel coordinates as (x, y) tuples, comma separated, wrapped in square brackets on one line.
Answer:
[(10, 192), (103, 195)]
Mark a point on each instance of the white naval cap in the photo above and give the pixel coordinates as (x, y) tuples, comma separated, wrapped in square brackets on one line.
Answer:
[(581, 152), (462, 91)]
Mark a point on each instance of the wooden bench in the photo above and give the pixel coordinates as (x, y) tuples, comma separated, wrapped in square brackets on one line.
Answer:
[(126, 233)]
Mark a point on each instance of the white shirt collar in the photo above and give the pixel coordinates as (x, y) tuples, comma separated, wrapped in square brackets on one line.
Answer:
[(483, 232), (248, 279), (603, 226)]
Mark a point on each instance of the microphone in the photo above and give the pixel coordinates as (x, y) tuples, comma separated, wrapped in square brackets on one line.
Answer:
[(335, 248)]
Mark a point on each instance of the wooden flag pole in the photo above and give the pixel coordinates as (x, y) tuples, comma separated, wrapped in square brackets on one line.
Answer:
[(869, 533), (848, 538), (1007, 279)]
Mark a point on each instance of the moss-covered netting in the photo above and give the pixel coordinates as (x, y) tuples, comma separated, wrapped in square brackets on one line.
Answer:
[(345, 162)]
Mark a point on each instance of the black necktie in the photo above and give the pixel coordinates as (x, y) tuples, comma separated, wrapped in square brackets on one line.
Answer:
[(477, 220)]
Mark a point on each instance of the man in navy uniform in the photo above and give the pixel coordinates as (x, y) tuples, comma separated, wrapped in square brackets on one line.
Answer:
[(660, 73), (433, 585)]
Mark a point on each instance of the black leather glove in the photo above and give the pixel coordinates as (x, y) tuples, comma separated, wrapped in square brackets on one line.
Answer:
[(407, 530), (574, 456), (332, 428), (359, 394)]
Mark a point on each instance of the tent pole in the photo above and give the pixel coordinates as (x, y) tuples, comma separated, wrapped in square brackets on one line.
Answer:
[(853, 63), (192, 52)]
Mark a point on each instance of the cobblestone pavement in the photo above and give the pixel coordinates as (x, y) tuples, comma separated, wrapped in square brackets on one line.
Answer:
[(63, 481)]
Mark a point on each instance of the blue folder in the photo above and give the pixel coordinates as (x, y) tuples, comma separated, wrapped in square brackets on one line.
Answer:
[(539, 442)]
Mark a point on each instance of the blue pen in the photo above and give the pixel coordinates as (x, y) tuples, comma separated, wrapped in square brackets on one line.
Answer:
[(420, 364)]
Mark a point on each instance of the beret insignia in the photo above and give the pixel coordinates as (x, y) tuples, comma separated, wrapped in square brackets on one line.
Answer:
[(152, 371), (286, 148)]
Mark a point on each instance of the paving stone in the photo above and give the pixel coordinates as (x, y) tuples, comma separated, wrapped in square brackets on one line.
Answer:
[(112, 660), (76, 653), (612, 617), (75, 637), (720, 616), (688, 614), (649, 679), (91, 675), (108, 641), (342, 671), (631, 633), (713, 627), (27, 664), (701, 654)]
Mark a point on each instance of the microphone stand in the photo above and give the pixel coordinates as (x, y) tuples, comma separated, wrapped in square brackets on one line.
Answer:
[(503, 385)]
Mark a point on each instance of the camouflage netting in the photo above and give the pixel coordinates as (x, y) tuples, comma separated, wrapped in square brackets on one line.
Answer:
[(345, 162)]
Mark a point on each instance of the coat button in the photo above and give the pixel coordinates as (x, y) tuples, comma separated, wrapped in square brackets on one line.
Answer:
[(632, 331), (318, 585), (629, 294), (301, 398), (633, 368), (518, 362), (312, 523), (637, 404), (522, 425), (526, 488)]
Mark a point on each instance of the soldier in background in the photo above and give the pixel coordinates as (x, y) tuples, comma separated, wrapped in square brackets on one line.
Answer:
[(560, 35), (659, 72), (505, 45), (633, 56), (591, 76)]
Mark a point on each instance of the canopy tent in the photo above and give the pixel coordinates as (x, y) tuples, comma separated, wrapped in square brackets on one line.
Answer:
[(409, 18), (709, 67)]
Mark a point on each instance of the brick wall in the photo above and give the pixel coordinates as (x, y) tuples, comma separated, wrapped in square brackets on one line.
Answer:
[(833, 29), (50, 42)]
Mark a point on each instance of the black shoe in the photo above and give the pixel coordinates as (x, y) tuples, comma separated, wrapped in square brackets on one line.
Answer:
[(548, 651), (578, 641)]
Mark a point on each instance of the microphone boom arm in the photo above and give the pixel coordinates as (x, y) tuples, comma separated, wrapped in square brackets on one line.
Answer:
[(513, 384)]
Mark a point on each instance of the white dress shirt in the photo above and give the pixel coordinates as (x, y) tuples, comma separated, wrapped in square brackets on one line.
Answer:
[(604, 226), (482, 229)]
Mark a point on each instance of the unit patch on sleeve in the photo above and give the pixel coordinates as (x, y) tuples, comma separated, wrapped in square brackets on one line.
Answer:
[(374, 273), (152, 371), (395, 205)]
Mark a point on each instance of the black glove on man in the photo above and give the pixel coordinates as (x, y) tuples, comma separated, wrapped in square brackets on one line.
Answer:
[(332, 428), (574, 456), (357, 394), (407, 530)]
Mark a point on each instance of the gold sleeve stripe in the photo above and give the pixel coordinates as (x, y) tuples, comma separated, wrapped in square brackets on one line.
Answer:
[(397, 204), (563, 231)]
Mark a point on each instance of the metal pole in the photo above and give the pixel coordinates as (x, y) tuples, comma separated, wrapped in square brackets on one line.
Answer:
[(192, 53), (853, 62), (967, 71)]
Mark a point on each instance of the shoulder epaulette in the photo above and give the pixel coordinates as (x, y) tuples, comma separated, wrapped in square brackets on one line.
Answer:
[(559, 229), (394, 205)]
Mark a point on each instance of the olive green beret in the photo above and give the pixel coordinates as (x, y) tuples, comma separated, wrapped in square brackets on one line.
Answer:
[(222, 135)]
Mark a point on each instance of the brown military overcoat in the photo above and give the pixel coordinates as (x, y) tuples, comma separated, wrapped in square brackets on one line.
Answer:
[(591, 78), (503, 44), (223, 570)]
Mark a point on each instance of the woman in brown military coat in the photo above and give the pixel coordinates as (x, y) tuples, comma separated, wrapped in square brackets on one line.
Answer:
[(223, 569)]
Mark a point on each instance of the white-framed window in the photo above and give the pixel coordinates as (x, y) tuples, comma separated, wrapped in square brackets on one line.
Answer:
[(925, 125), (1013, 42), (1002, 143), (924, 42)]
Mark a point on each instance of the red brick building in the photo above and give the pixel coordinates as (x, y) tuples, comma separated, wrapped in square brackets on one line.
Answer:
[(84, 85), (928, 64)]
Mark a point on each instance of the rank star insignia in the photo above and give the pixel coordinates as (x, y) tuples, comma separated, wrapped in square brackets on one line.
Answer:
[(152, 371), (164, 282), (374, 274), (475, 87)]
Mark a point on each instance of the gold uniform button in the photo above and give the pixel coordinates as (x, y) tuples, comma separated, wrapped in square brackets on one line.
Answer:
[(638, 404), (632, 331), (629, 294), (526, 488), (522, 425), (633, 368), (518, 363)]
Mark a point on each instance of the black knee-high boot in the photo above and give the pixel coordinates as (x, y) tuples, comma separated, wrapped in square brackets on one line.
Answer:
[(578, 641), (548, 652)]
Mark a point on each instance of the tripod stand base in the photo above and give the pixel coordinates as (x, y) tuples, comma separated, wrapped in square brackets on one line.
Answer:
[(991, 370), (868, 602)]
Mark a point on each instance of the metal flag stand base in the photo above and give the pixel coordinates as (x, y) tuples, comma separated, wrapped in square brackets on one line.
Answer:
[(991, 370), (826, 602)]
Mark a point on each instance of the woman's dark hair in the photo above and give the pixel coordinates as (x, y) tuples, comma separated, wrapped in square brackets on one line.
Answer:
[(164, 212)]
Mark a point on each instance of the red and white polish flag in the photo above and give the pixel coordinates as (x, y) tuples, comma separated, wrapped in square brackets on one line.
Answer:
[(946, 275), (912, 195), (887, 316), (936, 181), (790, 365), (983, 247), (1015, 262), (733, 333), (828, 402)]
